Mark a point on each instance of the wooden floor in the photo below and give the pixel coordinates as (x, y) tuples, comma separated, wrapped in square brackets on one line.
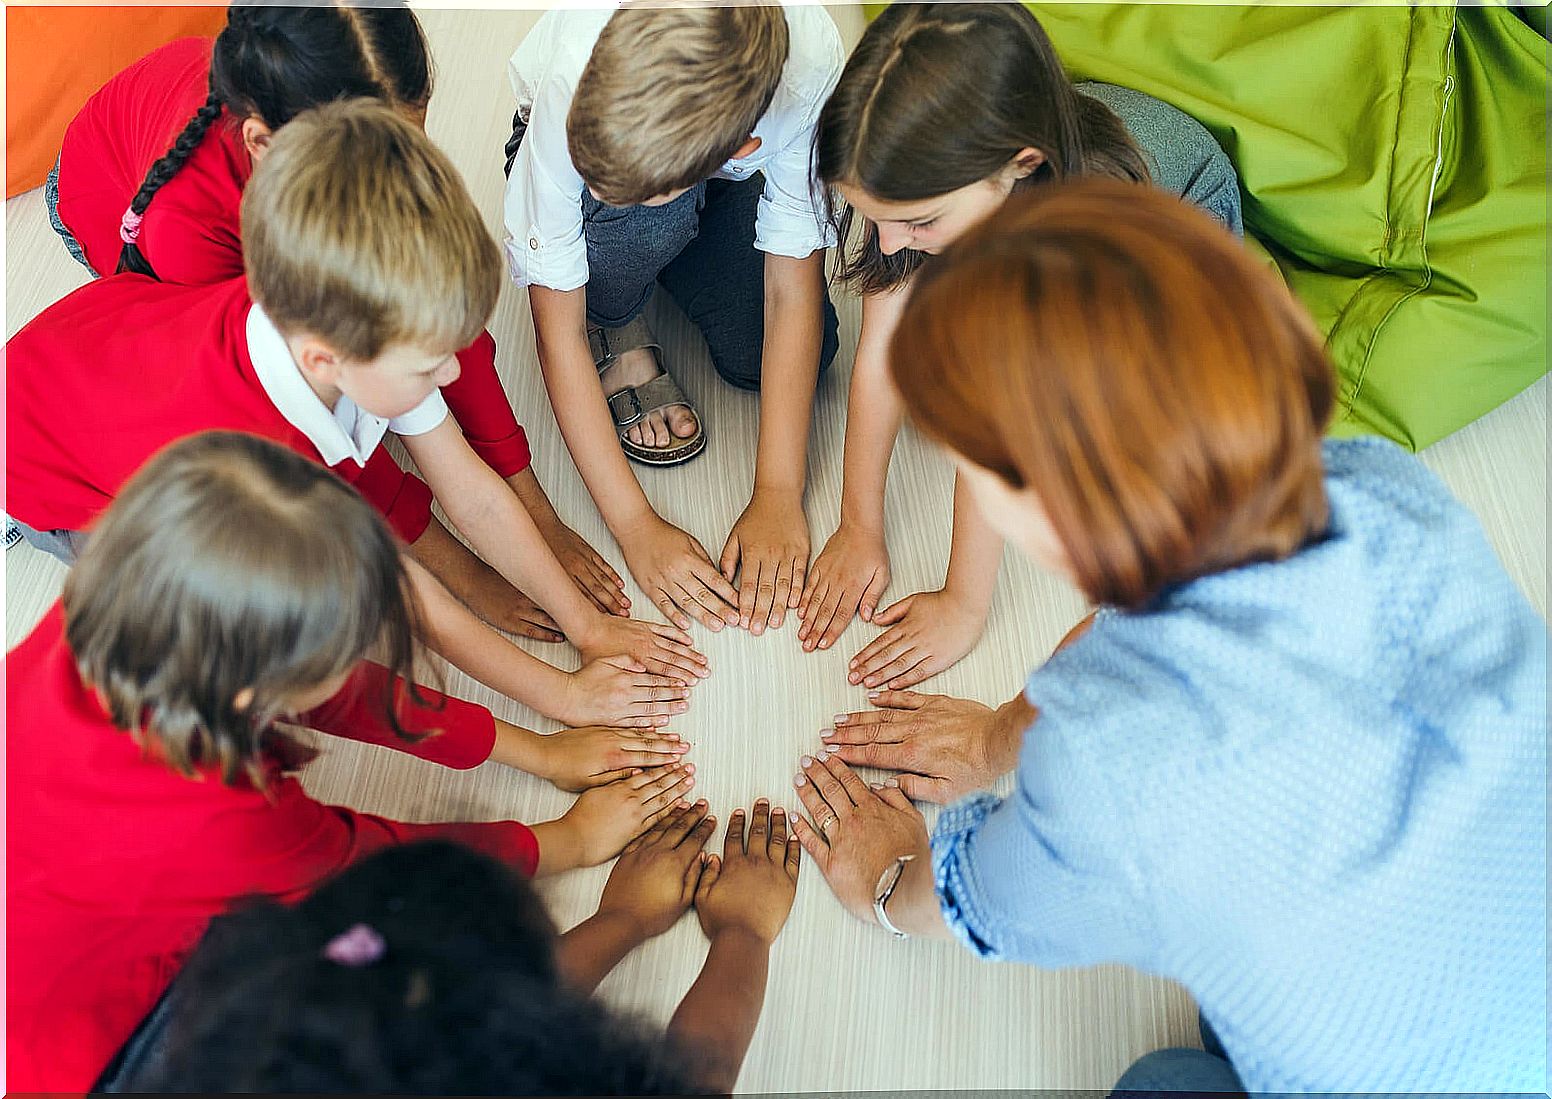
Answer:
[(848, 1009)]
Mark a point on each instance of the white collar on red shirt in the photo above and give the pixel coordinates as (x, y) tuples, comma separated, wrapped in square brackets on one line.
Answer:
[(348, 431)]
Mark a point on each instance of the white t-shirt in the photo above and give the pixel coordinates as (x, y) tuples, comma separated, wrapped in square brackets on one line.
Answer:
[(545, 245), (348, 431)]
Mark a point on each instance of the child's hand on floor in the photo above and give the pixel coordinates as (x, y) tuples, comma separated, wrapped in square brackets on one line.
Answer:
[(654, 880), (751, 887), (596, 755), (848, 578), (617, 690), (606, 818), (768, 551), (928, 633), (662, 650), (592, 573), (678, 575)]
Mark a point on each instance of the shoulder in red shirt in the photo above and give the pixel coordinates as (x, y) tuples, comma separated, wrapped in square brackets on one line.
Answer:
[(115, 863), (190, 232), (106, 377)]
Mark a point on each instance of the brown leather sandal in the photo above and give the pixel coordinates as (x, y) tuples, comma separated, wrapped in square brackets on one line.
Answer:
[(633, 403)]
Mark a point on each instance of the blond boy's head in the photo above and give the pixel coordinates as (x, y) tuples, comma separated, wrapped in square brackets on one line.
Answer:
[(670, 94), (359, 231)]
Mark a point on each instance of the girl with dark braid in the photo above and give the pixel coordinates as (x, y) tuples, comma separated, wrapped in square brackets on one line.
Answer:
[(153, 168), (151, 176)]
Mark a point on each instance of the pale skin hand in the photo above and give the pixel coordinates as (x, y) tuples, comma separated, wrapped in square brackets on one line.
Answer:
[(849, 577), (768, 547), (944, 747), (481, 588), (616, 690), (483, 507), (855, 832), (606, 818), (852, 571), (932, 631), (770, 542), (591, 573), (679, 576), (650, 887), (670, 566), (579, 759)]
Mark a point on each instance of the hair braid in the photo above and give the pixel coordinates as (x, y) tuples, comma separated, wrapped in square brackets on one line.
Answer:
[(131, 258)]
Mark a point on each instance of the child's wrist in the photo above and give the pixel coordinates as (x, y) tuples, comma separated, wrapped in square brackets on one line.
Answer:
[(739, 937)]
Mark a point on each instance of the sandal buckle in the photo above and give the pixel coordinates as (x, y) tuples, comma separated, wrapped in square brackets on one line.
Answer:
[(625, 407)]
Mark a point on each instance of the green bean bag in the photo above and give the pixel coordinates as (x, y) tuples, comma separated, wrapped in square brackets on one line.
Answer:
[(1394, 165)]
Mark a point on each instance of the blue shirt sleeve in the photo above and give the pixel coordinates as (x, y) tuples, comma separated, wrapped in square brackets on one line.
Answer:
[(1046, 876)]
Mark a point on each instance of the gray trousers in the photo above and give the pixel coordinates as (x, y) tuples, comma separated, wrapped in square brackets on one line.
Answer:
[(63, 544)]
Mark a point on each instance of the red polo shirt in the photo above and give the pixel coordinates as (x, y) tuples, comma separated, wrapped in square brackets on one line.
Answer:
[(103, 379), (116, 863), (190, 233)]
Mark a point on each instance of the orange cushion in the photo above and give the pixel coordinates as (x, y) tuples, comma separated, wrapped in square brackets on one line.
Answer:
[(56, 57)]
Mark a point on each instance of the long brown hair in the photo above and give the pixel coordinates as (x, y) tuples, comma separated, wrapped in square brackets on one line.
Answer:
[(939, 96), (229, 562), (1118, 353)]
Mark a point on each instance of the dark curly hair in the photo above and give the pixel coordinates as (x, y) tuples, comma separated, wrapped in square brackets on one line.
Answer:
[(275, 61), (465, 1000)]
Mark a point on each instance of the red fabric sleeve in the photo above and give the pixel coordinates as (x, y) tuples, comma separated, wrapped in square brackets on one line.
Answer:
[(402, 498), (459, 734), (285, 846), (479, 403)]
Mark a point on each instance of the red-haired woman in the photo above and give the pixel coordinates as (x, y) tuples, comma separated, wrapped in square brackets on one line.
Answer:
[(1298, 761)]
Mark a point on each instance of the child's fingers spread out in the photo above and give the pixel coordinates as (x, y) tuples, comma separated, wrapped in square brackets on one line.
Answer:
[(733, 842), (682, 822), (778, 841), (711, 869), (759, 827)]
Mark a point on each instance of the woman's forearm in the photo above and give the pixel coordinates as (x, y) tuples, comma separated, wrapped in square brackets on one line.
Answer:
[(794, 334), (975, 553), (717, 1017), (873, 414), (577, 397)]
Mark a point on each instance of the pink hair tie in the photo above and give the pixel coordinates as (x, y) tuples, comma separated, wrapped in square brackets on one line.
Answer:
[(129, 227), (356, 947)]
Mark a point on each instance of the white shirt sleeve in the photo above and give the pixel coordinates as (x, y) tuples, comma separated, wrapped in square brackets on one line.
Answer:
[(542, 209), (790, 219), (425, 416)]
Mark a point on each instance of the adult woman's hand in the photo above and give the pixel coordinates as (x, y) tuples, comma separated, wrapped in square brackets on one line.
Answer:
[(855, 832), (946, 747)]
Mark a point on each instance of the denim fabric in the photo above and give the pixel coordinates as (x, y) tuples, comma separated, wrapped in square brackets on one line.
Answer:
[(700, 247), (51, 200), (66, 545), (1167, 1071)]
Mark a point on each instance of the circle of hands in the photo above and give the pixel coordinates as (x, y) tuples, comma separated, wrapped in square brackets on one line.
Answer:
[(634, 781)]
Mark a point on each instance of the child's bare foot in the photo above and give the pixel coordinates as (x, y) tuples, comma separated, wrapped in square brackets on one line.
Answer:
[(655, 429)]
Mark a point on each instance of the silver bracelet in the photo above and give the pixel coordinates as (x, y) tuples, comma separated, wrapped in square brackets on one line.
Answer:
[(887, 881)]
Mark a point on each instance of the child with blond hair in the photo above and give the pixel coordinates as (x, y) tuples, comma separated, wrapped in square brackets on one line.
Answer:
[(368, 266), (673, 145)]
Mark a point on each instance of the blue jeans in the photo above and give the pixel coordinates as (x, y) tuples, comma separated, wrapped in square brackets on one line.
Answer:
[(51, 200), (1169, 1071), (700, 247)]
